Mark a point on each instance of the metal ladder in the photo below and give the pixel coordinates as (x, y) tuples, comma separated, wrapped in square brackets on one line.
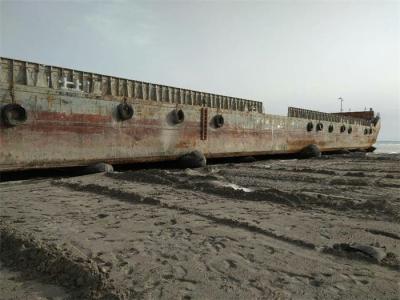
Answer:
[(203, 123)]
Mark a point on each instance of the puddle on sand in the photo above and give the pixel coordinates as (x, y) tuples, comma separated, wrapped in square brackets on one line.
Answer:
[(231, 185)]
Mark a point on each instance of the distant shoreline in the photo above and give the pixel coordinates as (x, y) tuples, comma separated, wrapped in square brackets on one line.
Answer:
[(387, 147)]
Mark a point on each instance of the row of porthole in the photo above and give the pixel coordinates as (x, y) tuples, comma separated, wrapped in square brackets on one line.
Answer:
[(14, 114), (320, 127)]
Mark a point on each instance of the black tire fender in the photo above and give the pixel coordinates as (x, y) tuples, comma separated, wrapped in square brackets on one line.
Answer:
[(310, 126), (310, 151), (350, 130), (13, 114), (218, 121), (125, 111), (177, 116), (343, 128), (330, 128), (194, 159), (319, 126)]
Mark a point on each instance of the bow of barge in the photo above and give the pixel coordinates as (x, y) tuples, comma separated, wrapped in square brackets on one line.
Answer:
[(58, 117)]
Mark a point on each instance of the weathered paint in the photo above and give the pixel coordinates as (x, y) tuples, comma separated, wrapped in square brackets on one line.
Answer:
[(68, 127)]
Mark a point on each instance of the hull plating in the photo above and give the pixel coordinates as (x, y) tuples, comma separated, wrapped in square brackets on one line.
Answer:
[(69, 128)]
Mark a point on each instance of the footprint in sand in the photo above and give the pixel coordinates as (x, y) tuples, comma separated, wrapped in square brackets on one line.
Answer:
[(167, 276), (97, 235), (179, 271), (359, 279), (230, 264), (269, 249), (217, 246), (249, 257)]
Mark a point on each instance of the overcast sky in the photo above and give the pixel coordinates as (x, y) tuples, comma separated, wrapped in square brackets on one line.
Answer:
[(284, 53)]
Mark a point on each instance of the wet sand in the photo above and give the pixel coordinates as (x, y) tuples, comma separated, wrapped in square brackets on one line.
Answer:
[(324, 228)]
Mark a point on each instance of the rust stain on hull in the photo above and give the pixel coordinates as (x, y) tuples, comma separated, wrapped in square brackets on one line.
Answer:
[(67, 127)]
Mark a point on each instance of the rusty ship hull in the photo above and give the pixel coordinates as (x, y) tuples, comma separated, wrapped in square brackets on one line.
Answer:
[(72, 120)]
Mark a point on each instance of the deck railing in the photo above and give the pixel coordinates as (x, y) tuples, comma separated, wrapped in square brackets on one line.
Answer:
[(97, 85), (295, 112)]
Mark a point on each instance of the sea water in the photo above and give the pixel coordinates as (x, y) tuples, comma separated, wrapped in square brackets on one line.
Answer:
[(387, 147)]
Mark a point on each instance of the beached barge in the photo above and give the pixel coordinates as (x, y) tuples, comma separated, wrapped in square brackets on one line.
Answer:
[(58, 117)]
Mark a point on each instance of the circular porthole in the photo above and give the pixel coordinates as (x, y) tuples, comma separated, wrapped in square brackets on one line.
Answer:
[(350, 130)]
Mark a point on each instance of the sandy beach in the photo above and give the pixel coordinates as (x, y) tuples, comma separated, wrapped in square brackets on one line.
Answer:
[(324, 228)]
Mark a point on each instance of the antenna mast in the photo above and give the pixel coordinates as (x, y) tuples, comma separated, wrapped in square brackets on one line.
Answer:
[(341, 104)]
